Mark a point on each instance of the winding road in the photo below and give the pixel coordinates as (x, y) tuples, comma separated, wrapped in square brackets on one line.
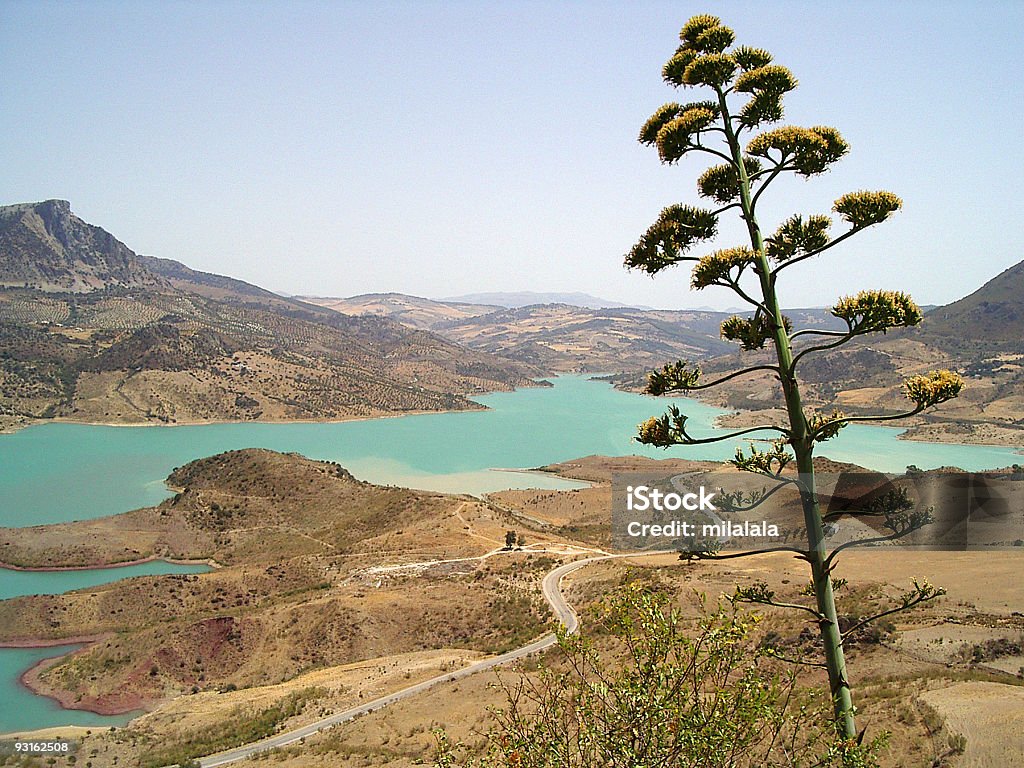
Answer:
[(551, 588)]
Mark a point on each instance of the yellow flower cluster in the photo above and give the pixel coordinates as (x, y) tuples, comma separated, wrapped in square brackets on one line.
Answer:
[(716, 267), (771, 78), (714, 69), (753, 332), (809, 150), (677, 229), (796, 236), (933, 387), (701, 60), (668, 429), (675, 138), (669, 112), (763, 107), (829, 425), (673, 378), (653, 432), (862, 209), (722, 182), (872, 311), (698, 25), (751, 58), (763, 462)]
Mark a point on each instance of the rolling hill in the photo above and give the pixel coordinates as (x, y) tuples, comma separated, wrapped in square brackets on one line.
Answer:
[(91, 331), (564, 337), (297, 541), (515, 299), (992, 316), (980, 335), (416, 312), (569, 338)]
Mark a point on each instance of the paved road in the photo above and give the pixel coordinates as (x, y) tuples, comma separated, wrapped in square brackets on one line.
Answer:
[(552, 593)]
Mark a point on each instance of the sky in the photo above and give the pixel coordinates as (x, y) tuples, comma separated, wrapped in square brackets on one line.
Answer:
[(437, 149)]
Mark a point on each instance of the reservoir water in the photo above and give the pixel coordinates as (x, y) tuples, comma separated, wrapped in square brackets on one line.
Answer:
[(18, 583), (59, 472), (19, 707)]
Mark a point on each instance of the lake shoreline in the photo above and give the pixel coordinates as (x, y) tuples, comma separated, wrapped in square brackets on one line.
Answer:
[(538, 472), (31, 680), (940, 433), (210, 422), (915, 429), (935, 433), (53, 642), (107, 566), (24, 422)]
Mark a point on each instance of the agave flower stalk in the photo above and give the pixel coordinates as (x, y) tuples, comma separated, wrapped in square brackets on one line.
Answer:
[(747, 164)]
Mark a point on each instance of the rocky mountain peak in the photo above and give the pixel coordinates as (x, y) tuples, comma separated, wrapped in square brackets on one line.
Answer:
[(47, 247)]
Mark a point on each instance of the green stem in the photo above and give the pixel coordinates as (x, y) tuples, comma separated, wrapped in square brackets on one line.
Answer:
[(803, 447)]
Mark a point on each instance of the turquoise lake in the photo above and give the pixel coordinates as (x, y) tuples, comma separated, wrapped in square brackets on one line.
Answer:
[(18, 583), (21, 710), (19, 707), (59, 472)]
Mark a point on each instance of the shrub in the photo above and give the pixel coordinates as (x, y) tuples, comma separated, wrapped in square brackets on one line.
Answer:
[(660, 689)]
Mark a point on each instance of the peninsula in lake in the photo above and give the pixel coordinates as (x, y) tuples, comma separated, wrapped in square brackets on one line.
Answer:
[(332, 593)]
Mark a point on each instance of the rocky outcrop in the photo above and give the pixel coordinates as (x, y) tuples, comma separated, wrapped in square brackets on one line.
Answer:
[(46, 247)]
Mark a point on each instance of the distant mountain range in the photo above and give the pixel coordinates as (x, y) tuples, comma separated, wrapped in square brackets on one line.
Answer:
[(515, 299), (982, 335), (413, 311), (89, 330), (564, 337)]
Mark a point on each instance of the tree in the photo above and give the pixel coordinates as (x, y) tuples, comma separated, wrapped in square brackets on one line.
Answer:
[(510, 539), (649, 687), (748, 163)]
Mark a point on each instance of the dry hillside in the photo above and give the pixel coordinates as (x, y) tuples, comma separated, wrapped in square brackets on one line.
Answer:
[(97, 333)]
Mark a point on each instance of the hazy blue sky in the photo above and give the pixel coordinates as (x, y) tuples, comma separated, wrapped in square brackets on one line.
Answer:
[(441, 148)]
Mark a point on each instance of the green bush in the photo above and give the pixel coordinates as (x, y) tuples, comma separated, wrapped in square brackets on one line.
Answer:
[(648, 687)]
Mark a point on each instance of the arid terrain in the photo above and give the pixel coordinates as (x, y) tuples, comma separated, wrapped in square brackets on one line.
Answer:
[(331, 591), (562, 337), (866, 378), (90, 331), (979, 335), (328, 592), (298, 299)]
